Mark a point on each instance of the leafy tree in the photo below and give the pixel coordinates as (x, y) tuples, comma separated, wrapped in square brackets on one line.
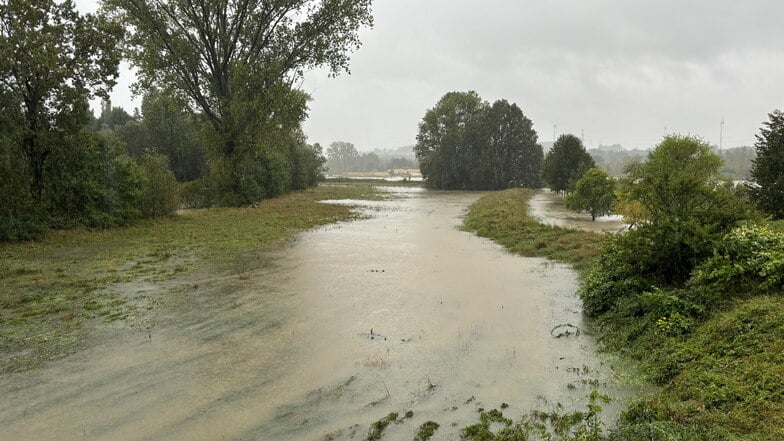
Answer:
[(683, 211), (465, 143), (159, 188), (236, 63), (52, 60), (449, 140), (308, 165), (514, 158), (340, 156), (768, 167), (110, 117), (593, 193), (566, 162), (167, 127)]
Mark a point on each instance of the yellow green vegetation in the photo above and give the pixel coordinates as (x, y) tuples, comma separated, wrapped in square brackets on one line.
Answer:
[(503, 217), (56, 292)]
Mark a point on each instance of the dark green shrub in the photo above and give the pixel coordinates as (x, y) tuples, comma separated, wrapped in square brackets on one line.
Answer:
[(748, 261)]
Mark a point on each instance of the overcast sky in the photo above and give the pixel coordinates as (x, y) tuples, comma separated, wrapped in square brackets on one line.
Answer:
[(619, 70)]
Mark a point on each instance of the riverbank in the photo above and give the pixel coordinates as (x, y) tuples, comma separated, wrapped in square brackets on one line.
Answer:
[(504, 218), (719, 374), (64, 291)]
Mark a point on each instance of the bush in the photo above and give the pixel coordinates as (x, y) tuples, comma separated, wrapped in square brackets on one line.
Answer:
[(159, 187), (20, 228), (617, 273), (195, 194), (748, 261)]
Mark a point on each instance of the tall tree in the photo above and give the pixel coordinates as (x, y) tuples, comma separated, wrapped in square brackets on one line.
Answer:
[(340, 156), (515, 157), (594, 193), (168, 128), (685, 207), (566, 162), (465, 143), (768, 167), (449, 140), (52, 60), (237, 60)]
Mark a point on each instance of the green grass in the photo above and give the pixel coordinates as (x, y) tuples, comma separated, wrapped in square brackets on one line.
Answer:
[(725, 379), (426, 431), (378, 427), (503, 217), (56, 291)]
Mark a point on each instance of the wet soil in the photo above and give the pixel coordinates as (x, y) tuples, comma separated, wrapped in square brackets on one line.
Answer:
[(322, 336)]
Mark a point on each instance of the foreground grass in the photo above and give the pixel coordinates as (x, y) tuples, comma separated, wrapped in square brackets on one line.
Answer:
[(54, 292), (503, 217), (722, 380)]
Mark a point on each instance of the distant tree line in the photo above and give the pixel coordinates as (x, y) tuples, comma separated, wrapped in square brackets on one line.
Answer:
[(467, 143), (220, 111), (343, 157)]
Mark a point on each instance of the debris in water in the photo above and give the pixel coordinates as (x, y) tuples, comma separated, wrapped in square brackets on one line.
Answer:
[(565, 330)]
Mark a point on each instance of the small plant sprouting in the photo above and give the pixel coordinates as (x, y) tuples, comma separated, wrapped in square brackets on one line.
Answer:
[(377, 428), (426, 431)]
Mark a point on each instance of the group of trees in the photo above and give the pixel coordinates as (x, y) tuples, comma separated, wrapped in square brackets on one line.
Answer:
[(343, 157), (466, 143), (220, 103)]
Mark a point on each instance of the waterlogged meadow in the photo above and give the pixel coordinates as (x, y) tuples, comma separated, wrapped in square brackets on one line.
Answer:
[(61, 291)]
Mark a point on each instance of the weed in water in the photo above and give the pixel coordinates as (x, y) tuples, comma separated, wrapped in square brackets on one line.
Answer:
[(377, 428), (426, 431)]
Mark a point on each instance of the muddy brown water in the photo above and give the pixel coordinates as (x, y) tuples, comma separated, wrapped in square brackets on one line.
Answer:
[(283, 349), (549, 208)]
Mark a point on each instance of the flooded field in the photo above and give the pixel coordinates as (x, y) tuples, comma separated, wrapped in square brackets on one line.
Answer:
[(322, 336), (549, 208)]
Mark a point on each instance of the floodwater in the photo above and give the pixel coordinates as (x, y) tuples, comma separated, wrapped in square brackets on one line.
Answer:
[(548, 207), (325, 335)]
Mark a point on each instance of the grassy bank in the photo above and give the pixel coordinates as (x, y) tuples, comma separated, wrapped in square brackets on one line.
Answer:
[(719, 366), (503, 217), (56, 292)]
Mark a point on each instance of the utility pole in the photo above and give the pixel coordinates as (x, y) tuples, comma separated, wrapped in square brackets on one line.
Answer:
[(554, 127), (721, 133), (582, 136)]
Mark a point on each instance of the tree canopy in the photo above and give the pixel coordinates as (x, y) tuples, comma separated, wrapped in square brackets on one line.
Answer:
[(768, 167), (593, 193), (52, 60), (237, 62), (465, 143), (340, 155), (565, 163), (683, 205)]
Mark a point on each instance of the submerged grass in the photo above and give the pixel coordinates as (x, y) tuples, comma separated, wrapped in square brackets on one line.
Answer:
[(54, 292), (503, 217)]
